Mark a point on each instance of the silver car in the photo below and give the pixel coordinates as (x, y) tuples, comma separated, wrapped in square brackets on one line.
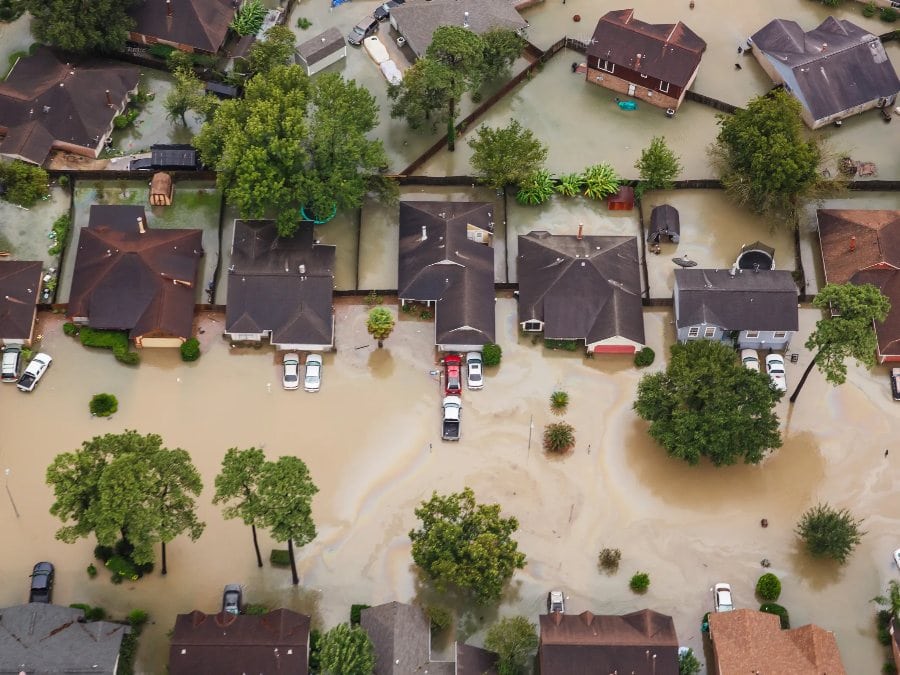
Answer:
[(474, 374), (290, 379), (313, 379)]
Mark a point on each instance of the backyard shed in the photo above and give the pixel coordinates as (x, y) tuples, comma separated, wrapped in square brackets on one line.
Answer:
[(161, 189), (756, 256), (622, 200), (664, 222), (178, 156), (321, 51)]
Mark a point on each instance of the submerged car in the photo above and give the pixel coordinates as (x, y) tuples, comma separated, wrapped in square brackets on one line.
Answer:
[(383, 11), (41, 582), (231, 599), (750, 359), (775, 368), (452, 375), (722, 597), (12, 363), (290, 378), (34, 372), (474, 375), (556, 602), (895, 383), (313, 378), (362, 30)]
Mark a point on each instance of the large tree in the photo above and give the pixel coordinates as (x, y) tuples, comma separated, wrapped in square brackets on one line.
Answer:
[(126, 486), (515, 641), (292, 142), (506, 155), (82, 25), (237, 487), (277, 49), (499, 49), (380, 324), (828, 532), (658, 166), (846, 330), (466, 545), (346, 650), (189, 94), (706, 404)]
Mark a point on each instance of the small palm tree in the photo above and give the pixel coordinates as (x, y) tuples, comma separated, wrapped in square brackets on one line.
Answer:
[(559, 437), (559, 401), (380, 324), (891, 600)]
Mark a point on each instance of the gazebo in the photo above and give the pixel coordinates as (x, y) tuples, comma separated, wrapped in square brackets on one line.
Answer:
[(622, 200), (756, 256), (161, 189), (664, 222)]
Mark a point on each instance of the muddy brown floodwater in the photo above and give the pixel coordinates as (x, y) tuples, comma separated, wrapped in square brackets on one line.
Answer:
[(370, 438)]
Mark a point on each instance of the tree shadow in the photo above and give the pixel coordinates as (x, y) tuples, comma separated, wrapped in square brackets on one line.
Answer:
[(381, 363)]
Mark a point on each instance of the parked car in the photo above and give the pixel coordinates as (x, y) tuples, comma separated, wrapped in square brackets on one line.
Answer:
[(895, 380), (12, 363), (41, 583), (775, 368), (897, 558), (313, 378), (362, 30), (452, 375), (141, 164), (290, 379), (34, 372), (474, 375), (556, 602), (232, 599), (722, 597), (750, 359), (383, 11), (452, 407)]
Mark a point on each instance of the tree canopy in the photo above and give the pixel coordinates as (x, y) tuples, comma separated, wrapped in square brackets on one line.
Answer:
[(293, 142), (658, 166), (706, 404), (346, 650), (79, 26), (189, 94), (506, 155), (380, 324), (829, 533), (515, 641), (277, 49), (237, 487), (466, 545)]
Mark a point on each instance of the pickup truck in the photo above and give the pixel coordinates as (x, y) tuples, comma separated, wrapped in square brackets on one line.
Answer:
[(452, 412), (34, 372)]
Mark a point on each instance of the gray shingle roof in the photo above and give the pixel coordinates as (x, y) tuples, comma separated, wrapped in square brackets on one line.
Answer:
[(401, 635), (322, 45)]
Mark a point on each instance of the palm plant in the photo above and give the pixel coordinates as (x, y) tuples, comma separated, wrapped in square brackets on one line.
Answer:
[(600, 180), (249, 18), (380, 324), (536, 189), (559, 437), (570, 184), (559, 401)]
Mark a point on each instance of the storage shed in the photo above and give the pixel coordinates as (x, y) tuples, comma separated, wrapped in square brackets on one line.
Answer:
[(664, 222), (623, 200), (161, 189), (321, 51)]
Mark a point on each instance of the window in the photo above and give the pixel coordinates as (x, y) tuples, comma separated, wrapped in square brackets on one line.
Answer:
[(664, 87), (533, 326), (752, 335), (694, 331), (607, 66), (779, 334), (643, 76), (709, 332)]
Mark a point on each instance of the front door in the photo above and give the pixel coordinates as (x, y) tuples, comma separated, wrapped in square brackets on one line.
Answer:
[(631, 89)]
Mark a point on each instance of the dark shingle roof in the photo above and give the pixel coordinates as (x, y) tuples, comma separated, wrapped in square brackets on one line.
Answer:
[(837, 65), (224, 643), (587, 288), (45, 99), (201, 24), (322, 45), (764, 300), (20, 282), (472, 660), (267, 291), (125, 280), (173, 156), (669, 52), (401, 635)]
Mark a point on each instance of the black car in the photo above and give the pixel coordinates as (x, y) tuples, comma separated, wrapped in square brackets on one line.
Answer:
[(383, 11), (141, 164), (41, 582), (362, 30)]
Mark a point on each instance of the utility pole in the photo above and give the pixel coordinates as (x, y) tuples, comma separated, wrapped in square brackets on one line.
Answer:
[(9, 494)]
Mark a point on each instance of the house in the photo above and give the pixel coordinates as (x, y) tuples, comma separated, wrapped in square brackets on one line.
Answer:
[(49, 104), (211, 644), (656, 63), (752, 309), (747, 641), (417, 21), (640, 643), (45, 638), (321, 51), (863, 247), (445, 260), (133, 278), (189, 25), (280, 288), (835, 70), (585, 288), (20, 285)]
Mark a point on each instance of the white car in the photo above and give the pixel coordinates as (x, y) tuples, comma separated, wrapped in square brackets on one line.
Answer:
[(722, 597), (556, 602), (750, 359), (474, 374), (313, 379), (34, 372), (291, 376), (775, 368)]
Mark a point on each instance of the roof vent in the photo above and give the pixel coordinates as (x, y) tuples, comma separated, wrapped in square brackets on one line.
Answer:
[(301, 269), (46, 109), (424, 233)]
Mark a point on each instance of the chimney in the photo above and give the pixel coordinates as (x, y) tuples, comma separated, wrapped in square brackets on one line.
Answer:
[(424, 233), (580, 231), (637, 62), (852, 243), (109, 99), (302, 269), (140, 223), (465, 19), (169, 8)]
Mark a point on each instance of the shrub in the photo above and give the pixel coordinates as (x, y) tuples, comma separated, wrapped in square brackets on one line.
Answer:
[(137, 617), (95, 614), (127, 118), (123, 568), (559, 437), (103, 405), (92, 570), (566, 345), (63, 180), (25, 183), (829, 533), (426, 314), (889, 668), (441, 619), (600, 180), (644, 357), (160, 51), (255, 609), (559, 401), (126, 357), (315, 648), (10, 10), (190, 349), (279, 557), (60, 233), (103, 339), (779, 611), (491, 354), (80, 605), (536, 189), (640, 582), (70, 328), (609, 560), (303, 23), (103, 553), (373, 299), (688, 664), (888, 14), (768, 587), (249, 18), (869, 9), (570, 184), (355, 612)]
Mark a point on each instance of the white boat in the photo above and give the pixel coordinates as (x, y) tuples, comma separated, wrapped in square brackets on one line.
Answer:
[(897, 557), (375, 49), (391, 72)]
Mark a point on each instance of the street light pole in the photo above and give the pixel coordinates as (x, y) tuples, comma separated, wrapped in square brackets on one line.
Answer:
[(9, 494)]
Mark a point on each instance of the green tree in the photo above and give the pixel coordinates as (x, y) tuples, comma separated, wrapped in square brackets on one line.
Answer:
[(284, 494), (500, 47), (80, 26), (25, 183), (346, 650), (506, 155), (189, 93), (466, 545), (126, 486), (658, 166), (829, 533), (237, 487), (380, 324), (515, 641), (890, 600), (293, 142), (277, 49), (688, 664), (706, 404), (847, 329)]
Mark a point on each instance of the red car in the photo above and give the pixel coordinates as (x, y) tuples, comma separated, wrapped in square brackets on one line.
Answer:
[(452, 375)]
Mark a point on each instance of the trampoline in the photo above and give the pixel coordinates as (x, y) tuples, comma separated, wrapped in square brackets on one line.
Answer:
[(756, 256)]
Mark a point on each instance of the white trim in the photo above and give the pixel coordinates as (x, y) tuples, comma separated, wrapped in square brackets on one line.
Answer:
[(664, 84), (606, 66)]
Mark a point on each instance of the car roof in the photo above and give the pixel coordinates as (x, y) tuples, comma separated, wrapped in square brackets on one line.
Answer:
[(314, 358)]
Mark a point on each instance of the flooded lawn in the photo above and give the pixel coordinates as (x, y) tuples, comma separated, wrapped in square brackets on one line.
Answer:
[(24, 232), (14, 37)]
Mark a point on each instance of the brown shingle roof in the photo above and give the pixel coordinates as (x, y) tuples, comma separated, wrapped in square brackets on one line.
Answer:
[(747, 641), (201, 24), (20, 282)]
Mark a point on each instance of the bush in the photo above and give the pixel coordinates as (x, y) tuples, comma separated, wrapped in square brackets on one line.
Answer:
[(889, 668), (103, 405), (249, 18), (95, 614), (127, 118), (10, 10), (688, 664), (869, 9), (609, 560), (315, 648), (441, 619), (536, 189), (570, 184), (303, 23), (280, 557), (116, 340), (829, 533), (137, 617), (26, 184), (600, 181), (559, 401), (888, 14), (103, 553), (565, 345), (373, 299), (63, 180), (161, 51), (644, 357), (779, 611), (491, 354), (768, 587), (355, 612), (123, 568), (190, 349), (70, 328), (92, 570), (426, 314), (640, 582), (255, 609), (559, 437), (60, 233)]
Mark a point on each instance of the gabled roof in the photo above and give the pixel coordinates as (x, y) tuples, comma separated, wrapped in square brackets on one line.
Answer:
[(747, 641), (45, 638), (322, 45), (472, 660), (586, 288), (20, 283), (268, 291), (126, 280), (666, 51), (763, 300), (226, 643), (201, 24), (45, 100), (401, 635), (837, 65)]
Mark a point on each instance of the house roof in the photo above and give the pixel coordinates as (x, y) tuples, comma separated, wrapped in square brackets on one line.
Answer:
[(46, 100), (747, 641), (763, 300), (447, 267), (20, 283), (276, 642), (322, 45), (126, 280), (267, 291), (471, 660), (45, 638), (417, 21), (201, 24), (875, 259), (669, 52), (588, 288), (837, 65), (586, 644), (401, 635)]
